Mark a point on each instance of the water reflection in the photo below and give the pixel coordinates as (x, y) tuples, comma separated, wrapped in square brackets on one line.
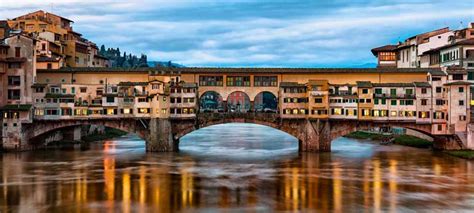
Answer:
[(213, 173)]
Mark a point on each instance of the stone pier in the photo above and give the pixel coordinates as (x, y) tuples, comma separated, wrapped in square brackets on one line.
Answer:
[(160, 137)]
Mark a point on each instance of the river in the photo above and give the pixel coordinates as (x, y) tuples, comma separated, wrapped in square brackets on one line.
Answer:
[(235, 167)]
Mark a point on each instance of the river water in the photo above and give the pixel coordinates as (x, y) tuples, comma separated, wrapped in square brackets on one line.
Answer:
[(235, 167)]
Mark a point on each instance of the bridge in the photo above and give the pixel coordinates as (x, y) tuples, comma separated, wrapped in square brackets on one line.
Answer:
[(313, 105), (163, 135)]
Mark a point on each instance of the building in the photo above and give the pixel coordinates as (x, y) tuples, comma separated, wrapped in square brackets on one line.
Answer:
[(17, 75), (57, 40)]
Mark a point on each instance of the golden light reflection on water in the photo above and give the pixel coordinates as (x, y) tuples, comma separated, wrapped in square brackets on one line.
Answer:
[(307, 182)]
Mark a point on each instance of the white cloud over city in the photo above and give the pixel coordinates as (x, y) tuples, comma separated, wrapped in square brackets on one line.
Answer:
[(252, 33)]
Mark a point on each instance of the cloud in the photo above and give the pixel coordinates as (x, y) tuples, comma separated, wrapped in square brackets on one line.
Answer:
[(252, 33)]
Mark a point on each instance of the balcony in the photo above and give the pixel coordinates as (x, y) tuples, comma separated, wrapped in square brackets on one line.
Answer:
[(318, 93), (344, 93), (395, 96)]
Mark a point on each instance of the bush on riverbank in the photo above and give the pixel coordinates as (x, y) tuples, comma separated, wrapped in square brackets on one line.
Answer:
[(405, 140), (466, 154), (108, 134), (408, 140), (365, 135)]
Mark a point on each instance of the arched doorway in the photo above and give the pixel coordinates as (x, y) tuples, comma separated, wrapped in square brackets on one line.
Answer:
[(211, 101), (238, 102), (266, 102)]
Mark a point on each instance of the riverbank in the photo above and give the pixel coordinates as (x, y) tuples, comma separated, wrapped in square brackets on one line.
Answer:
[(405, 140), (466, 154), (109, 133)]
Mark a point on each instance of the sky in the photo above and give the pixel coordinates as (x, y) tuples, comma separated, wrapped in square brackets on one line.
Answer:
[(252, 33)]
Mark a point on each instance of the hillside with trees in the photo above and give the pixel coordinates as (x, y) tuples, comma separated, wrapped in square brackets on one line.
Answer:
[(119, 59)]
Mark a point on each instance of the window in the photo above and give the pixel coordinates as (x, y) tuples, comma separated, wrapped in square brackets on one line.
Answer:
[(462, 118), (393, 102), (211, 81), (73, 90), (238, 81), (365, 91), (143, 110), (440, 127), (439, 102), (393, 92), (83, 89), (423, 90), (14, 65), (39, 89), (265, 81), (376, 101), (14, 94), (378, 91), (110, 99), (318, 100), (461, 89), (424, 102), (409, 91), (409, 102), (14, 81), (438, 89), (461, 102), (17, 52), (438, 115), (458, 76), (423, 114)]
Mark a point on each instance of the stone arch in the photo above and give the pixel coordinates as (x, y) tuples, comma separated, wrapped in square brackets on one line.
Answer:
[(265, 101), (340, 128), (211, 101), (238, 101), (42, 127)]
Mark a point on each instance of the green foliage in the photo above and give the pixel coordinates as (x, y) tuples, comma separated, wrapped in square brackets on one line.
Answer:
[(405, 140), (466, 154), (109, 133), (126, 60), (408, 140)]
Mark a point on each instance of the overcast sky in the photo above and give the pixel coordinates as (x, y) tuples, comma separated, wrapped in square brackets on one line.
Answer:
[(263, 33)]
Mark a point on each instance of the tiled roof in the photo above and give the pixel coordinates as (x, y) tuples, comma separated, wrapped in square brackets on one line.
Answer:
[(291, 84), (458, 83), (51, 95), (364, 84), (17, 107), (128, 83), (422, 84), (438, 72), (393, 85), (386, 48), (46, 59), (38, 85), (214, 70)]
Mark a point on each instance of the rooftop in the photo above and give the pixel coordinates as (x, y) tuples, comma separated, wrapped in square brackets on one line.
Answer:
[(386, 48), (198, 70)]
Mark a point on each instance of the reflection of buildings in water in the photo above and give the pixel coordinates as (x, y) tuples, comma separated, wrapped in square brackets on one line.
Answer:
[(377, 185), (109, 175), (392, 182), (187, 185), (126, 191)]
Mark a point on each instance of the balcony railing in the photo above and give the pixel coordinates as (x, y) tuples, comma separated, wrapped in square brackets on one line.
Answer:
[(395, 96), (318, 93)]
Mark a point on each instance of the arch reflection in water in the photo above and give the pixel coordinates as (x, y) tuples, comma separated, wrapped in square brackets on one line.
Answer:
[(238, 141), (119, 176)]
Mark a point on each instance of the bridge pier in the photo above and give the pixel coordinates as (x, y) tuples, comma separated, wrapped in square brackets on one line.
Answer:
[(315, 136), (160, 137)]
